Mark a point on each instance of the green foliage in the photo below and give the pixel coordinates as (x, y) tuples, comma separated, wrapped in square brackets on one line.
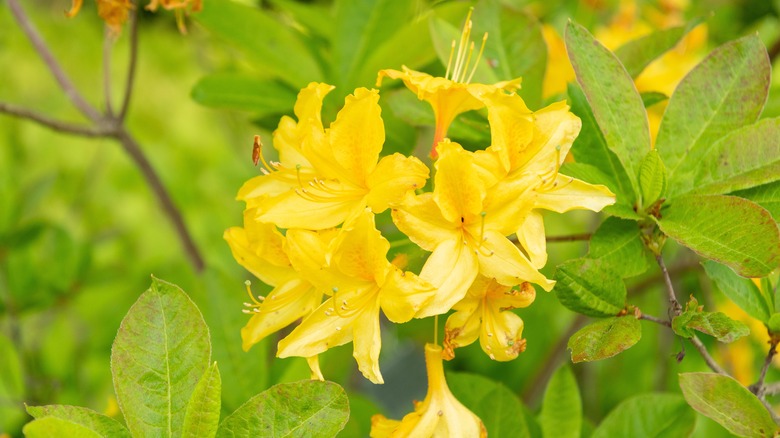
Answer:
[(617, 243), (320, 409), (202, 415), (724, 92), (11, 382), (652, 179), (726, 401), (623, 122), (499, 409), (727, 229), (714, 324), (243, 92), (590, 287), (740, 290), (636, 54), (93, 423), (561, 414), (648, 415), (767, 196), (605, 338)]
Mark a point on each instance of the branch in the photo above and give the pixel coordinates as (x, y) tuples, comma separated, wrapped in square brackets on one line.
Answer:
[(134, 150), (772, 388), (674, 305), (654, 319), (569, 238), (57, 125), (131, 67), (55, 68), (706, 356), (758, 388), (108, 44)]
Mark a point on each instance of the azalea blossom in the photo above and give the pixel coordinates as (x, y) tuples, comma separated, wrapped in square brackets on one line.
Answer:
[(113, 12), (440, 414), (328, 177), (453, 94), (362, 282), (485, 314)]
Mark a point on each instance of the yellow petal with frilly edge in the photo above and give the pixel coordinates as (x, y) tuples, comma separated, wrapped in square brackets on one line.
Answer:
[(357, 136), (451, 268), (394, 176)]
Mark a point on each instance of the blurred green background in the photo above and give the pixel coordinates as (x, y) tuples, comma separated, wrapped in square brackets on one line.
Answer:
[(81, 232)]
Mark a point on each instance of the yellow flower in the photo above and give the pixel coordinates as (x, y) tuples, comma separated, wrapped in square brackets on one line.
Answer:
[(465, 229), (440, 414), (485, 314), (328, 177), (260, 248), (362, 282), (452, 94), (559, 71)]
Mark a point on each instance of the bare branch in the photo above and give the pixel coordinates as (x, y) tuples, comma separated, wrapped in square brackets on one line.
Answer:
[(758, 388), (674, 305), (57, 125), (131, 67), (569, 238), (55, 68), (655, 320), (706, 356)]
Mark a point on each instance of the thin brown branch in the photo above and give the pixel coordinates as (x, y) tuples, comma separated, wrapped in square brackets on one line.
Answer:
[(57, 125), (655, 320), (774, 50), (647, 283), (108, 45), (758, 388), (706, 356), (569, 238), (674, 305), (59, 74), (152, 178), (131, 67)]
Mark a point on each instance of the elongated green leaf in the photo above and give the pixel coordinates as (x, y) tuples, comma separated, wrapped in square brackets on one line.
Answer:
[(648, 415), (726, 401), (740, 290), (767, 196), (418, 51), (160, 352), (53, 427), (745, 158), (500, 409), (561, 414), (590, 287), (636, 54), (305, 408), (202, 416), (590, 148), (623, 120), (652, 179), (727, 229), (243, 92), (605, 338), (724, 92), (264, 40), (714, 324), (315, 17), (95, 422), (618, 244)]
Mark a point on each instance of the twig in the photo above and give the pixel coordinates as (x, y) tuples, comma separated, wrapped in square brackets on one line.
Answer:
[(706, 356), (645, 284), (57, 125), (772, 388), (569, 238), (674, 305), (134, 150), (758, 388), (108, 44), (655, 320), (55, 68), (774, 50), (131, 67)]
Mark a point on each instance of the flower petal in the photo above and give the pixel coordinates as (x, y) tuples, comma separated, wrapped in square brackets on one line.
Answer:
[(420, 218), (394, 176), (308, 252), (570, 193), (511, 125), (501, 337), (403, 295), (531, 236), (451, 268), (259, 249), (361, 251), (368, 343), (459, 191), (295, 209), (507, 264), (357, 135)]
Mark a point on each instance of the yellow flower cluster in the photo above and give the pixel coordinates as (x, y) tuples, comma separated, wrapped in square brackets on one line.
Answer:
[(309, 230)]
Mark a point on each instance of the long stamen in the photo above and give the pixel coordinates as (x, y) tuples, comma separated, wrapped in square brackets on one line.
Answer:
[(468, 61), (449, 61), (464, 38), (479, 57)]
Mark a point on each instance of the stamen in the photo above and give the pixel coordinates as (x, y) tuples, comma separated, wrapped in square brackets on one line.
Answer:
[(252, 296), (468, 62), (479, 57), (464, 38), (257, 156), (449, 61)]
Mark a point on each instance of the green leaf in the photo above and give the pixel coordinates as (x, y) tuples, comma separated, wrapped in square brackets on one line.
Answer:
[(726, 401), (11, 384), (53, 427), (315, 17), (589, 287), (95, 422), (648, 415), (650, 98), (773, 325), (724, 92), (742, 291), (767, 196), (623, 120), (745, 158), (243, 92), (604, 339), (590, 148), (264, 40), (202, 416), (714, 324), (652, 179), (727, 229), (617, 243), (500, 409), (160, 352), (594, 175), (637, 54), (305, 408), (561, 414)]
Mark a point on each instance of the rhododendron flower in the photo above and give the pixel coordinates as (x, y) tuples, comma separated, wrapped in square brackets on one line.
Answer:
[(327, 177), (440, 414), (179, 8), (362, 282), (260, 248), (485, 313), (113, 12), (465, 230), (452, 94)]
